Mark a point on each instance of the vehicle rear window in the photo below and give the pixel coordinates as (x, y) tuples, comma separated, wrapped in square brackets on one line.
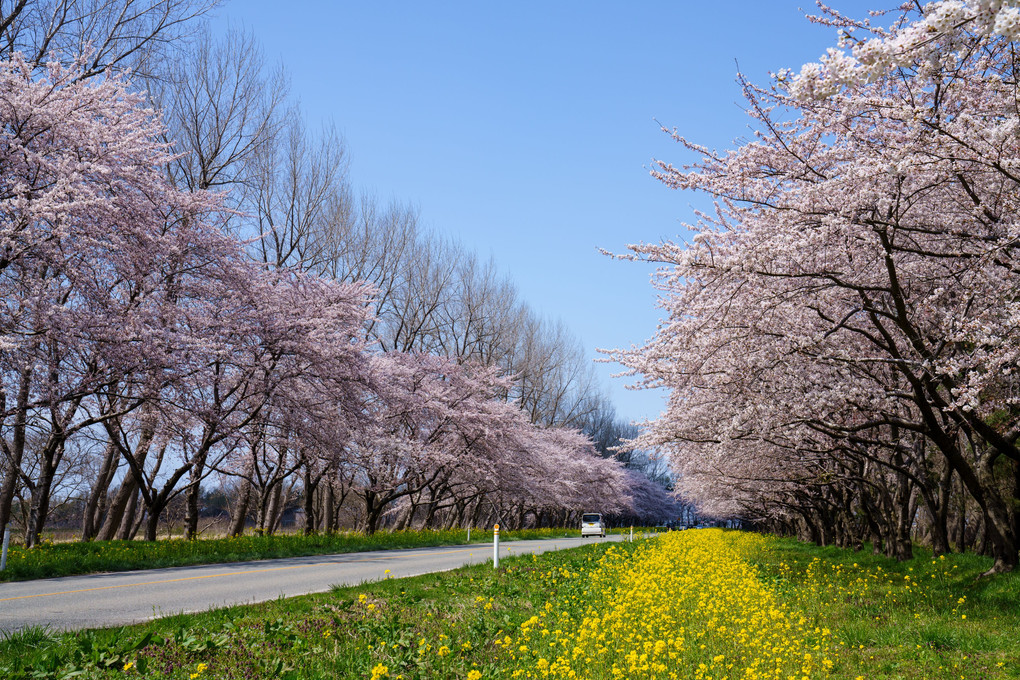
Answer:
[(591, 518)]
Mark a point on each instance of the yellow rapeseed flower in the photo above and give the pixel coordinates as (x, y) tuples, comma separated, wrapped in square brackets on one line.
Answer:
[(688, 604)]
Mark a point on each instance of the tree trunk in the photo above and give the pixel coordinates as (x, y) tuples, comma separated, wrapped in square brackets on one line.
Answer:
[(430, 514), (152, 522), (96, 502), (1015, 500), (328, 508), (275, 509), (961, 519), (128, 489), (373, 510), (14, 453), (131, 483), (240, 517), (309, 501), (193, 494), (127, 524), (407, 516), (40, 509), (940, 514), (981, 485)]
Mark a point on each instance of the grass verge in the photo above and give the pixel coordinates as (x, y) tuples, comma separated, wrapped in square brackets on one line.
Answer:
[(924, 618), (66, 559), (846, 615), (437, 626)]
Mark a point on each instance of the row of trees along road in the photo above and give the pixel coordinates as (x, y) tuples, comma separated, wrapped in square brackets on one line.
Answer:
[(198, 297), (842, 339)]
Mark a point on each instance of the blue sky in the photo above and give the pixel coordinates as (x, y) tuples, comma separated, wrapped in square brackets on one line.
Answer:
[(526, 130)]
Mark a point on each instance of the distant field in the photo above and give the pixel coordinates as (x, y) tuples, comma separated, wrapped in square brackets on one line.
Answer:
[(696, 604)]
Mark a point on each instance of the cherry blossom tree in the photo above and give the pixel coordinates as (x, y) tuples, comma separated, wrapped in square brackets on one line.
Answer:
[(312, 372), (430, 415), (853, 296), (134, 321), (90, 231)]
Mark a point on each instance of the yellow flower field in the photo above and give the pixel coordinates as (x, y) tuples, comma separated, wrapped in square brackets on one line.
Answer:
[(685, 605)]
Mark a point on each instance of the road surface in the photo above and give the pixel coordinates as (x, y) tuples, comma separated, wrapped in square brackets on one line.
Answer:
[(121, 598)]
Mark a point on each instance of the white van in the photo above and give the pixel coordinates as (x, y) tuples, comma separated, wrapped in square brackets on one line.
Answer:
[(591, 525)]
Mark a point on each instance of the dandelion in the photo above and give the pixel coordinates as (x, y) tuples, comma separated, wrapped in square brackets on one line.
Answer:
[(380, 671)]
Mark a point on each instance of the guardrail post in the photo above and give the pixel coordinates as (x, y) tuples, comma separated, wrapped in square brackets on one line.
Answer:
[(7, 543), (495, 547)]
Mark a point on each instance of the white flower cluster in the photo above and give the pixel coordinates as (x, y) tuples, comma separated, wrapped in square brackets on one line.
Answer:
[(810, 83), (945, 16), (983, 14), (1007, 23), (873, 58)]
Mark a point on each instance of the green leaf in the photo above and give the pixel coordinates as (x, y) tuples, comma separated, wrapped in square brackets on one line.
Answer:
[(144, 642)]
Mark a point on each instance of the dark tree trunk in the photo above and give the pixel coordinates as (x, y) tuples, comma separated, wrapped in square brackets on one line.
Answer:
[(374, 507), (39, 512), (152, 522), (961, 519), (328, 508), (311, 485), (940, 514), (15, 452), (193, 494)]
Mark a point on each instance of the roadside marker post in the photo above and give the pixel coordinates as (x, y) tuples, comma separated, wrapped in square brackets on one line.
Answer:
[(469, 533), (7, 543), (495, 547), (631, 533)]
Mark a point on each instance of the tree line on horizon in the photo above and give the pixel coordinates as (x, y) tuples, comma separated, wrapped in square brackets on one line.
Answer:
[(196, 300)]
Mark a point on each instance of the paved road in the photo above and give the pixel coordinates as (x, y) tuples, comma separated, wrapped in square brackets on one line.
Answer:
[(114, 599)]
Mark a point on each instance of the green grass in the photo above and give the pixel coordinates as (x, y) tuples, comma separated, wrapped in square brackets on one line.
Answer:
[(66, 559), (884, 624), (404, 624), (925, 618)]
